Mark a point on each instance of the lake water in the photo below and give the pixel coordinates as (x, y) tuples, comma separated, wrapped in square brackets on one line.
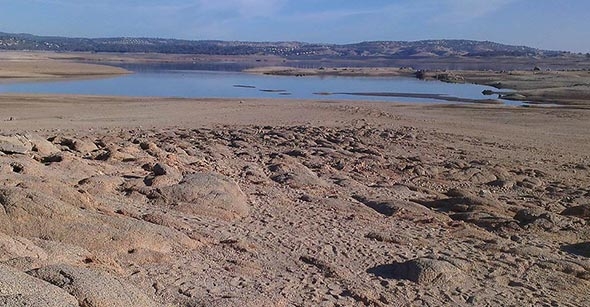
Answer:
[(222, 84)]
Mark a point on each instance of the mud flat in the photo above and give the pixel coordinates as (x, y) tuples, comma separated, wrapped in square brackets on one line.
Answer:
[(110, 201)]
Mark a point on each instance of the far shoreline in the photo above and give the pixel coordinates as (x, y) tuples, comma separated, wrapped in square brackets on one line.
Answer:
[(544, 87), (547, 87)]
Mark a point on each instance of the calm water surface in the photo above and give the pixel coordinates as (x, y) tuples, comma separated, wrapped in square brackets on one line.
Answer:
[(217, 84)]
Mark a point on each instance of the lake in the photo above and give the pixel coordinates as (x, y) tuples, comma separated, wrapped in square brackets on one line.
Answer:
[(224, 84)]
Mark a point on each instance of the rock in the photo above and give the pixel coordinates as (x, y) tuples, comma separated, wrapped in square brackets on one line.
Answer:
[(148, 145), (11, 145), (500, 183), (78, 145), (582, 211), (323, 266), (539, 218), (528, 215), (393, 206), (160, 169), (306, 198), (423, 271), (55, 217), (254, 173), (382, 237), (26, 212), (54, 158), (20, 289), (482, 210), (17, 248), (62, 253), (162, 175), (485, 220), (582, 249), (111, 153), (530, 183), (290, 171), (209, 194), (21, 144), (476, 175), (297, 153), (40, 145), (101, 184), (564, 266), (164, 220), (93, 288)]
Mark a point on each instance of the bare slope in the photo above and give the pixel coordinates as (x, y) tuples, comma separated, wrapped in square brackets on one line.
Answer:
[(281, 203)]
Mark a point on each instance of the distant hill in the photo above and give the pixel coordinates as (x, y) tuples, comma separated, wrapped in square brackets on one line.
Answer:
[(389, 49)]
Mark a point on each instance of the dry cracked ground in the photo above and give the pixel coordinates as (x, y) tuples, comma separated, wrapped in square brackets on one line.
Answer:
[(290, 216)]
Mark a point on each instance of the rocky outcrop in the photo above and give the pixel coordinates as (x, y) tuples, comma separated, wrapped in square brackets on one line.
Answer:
[(93, 288), (20, 289), (423, 271), (208, 194)]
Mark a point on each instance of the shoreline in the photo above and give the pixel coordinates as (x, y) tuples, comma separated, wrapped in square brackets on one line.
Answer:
[(571, 88), (531, 87), (22, 111)]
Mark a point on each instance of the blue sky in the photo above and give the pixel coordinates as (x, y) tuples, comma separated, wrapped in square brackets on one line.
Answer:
[(550, 24)]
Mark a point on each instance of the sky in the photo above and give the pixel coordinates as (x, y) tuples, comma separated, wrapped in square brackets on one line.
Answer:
[(547, 24)]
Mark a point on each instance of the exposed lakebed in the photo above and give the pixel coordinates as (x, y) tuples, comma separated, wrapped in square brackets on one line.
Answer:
[(222, 84)]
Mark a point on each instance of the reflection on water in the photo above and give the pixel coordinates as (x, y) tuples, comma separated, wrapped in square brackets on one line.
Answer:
[(218, 84)]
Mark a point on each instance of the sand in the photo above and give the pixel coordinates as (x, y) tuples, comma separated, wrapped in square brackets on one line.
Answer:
[(20, 66), (108, 201)]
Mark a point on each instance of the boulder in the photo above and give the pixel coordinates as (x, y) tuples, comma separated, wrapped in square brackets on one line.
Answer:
[(40, 145), (11, 145), (291, 172), (539, 218), (24, 143), (54, 217), (582, 211), (483, 209), (82, 146), (160, 169), (163, 175), (209, 194), (93, 288), (17, 247), (20, 289), (423, 271)]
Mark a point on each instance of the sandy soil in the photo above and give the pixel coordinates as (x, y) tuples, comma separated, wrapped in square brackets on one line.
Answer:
[(109, 201), (19, 66)]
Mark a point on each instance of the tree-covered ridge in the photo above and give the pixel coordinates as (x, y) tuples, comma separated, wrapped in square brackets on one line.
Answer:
[(396, 49)]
